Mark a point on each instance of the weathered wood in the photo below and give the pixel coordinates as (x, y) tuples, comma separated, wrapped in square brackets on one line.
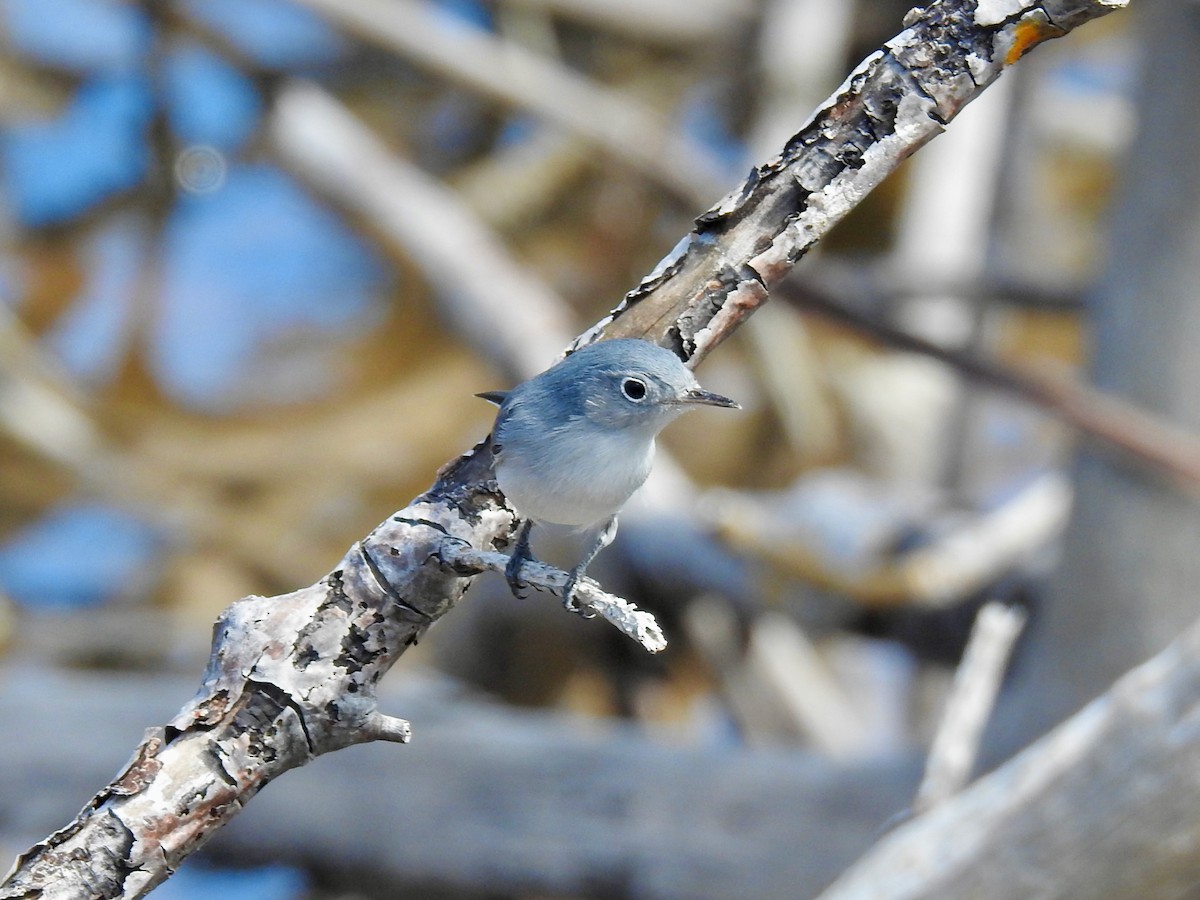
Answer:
[(898, 98), (1104, 807), (1129, 571), (488, 799)]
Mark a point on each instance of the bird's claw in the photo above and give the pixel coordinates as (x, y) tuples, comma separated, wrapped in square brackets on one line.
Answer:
[(521, 554), (512, 574), (568, 594), (570, 604)]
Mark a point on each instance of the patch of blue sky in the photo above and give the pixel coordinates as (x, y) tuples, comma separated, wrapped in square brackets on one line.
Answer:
[(77, 555), (465, 12), (52, 171), (253, 263), (208, 101), (92, 336), (194, 882), (519, 129), (702, 118), (275, 33), (1112, 71), (89, 36)]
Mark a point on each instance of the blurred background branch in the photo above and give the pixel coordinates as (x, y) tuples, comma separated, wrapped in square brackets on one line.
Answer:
[(506, 71), (256, 257)]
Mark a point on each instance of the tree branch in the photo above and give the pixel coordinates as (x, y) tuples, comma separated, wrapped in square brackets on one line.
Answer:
[(898, 98), (1139, 434), (1102, 807), (645, 817), (294, 676), (955, 747), (619, 126), (592, 601)]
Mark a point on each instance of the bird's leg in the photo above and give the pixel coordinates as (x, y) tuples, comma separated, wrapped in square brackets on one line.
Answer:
[(521, 554), (607, 533)]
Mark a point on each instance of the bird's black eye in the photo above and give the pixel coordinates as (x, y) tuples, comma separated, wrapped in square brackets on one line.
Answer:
[(634, 389)]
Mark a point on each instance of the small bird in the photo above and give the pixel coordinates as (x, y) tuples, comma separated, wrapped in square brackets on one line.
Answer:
[(572, 444)]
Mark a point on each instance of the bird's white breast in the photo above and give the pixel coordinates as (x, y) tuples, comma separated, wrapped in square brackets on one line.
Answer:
[(581, 482)]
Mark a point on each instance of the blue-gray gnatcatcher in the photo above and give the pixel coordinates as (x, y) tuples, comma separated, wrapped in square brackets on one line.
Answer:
[(572, 445)]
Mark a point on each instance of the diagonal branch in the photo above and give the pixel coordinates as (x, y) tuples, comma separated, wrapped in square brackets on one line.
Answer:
[(898, 98), (294, 676), (1104, 806), (1141, 435), (617, 125), (620, 613)]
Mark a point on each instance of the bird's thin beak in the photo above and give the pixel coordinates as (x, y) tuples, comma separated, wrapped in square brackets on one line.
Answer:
[(708, 398)]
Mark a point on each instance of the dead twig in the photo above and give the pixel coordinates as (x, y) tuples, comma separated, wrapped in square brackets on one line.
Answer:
[(1138, 434), (976, 683)]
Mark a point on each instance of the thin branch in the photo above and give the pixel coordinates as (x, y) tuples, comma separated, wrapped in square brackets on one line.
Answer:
[(592, 601), (976, 683), (1102, 807), (787, 666), (1137, 433), (379, 727), (496, 68)]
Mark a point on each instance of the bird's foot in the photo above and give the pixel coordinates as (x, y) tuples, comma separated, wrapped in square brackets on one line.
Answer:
[(570, 604), (568, 594), (512, 574), (607, 532), (522, 553)]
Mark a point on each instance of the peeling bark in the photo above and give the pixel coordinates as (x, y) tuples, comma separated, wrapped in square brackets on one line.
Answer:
[(897, 99), (294, 676)]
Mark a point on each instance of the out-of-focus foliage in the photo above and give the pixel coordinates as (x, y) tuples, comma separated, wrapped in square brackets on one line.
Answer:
[(161, 261)]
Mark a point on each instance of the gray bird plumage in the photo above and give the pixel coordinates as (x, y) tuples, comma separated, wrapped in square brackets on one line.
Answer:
[(572, 444)]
